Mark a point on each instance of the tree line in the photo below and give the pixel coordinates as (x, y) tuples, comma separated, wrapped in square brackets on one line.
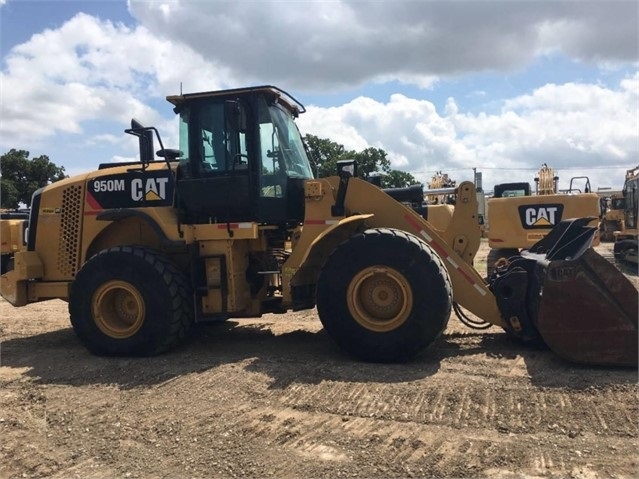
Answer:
[(20, 176), (324, 155)]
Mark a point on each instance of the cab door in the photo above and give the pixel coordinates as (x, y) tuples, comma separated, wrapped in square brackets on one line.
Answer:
[(214, 184)]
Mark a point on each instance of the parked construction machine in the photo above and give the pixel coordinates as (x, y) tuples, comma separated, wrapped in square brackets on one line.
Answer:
[(518, 219), (234, 225), (612, 216), (625, 247), (11, 219)]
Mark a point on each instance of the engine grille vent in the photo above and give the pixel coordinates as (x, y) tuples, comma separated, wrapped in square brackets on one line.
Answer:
[(70, 230)]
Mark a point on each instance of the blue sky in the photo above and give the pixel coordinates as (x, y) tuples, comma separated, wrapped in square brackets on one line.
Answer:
[(501, 86)]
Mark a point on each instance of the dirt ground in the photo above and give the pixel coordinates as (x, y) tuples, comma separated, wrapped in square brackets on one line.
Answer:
[(274, 398)]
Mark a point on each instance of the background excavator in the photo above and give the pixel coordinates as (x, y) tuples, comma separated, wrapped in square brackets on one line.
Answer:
[(625, 247), (233, 224), (612, 216), (517, 219)]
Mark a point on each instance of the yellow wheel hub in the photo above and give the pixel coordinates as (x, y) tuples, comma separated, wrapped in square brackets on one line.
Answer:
[(118, 309), (380, 298)]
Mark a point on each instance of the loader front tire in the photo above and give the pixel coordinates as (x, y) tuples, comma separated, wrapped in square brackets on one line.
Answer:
[(130, 301), (384, 295)]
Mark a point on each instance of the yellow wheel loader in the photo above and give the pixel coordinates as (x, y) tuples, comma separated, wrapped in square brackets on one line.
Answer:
[(234, 225), (11, 226), (517, 219)]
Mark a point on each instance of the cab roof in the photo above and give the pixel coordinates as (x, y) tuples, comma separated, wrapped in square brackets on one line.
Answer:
[(271, 91)]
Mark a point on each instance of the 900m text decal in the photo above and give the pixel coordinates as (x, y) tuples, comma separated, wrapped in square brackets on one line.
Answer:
[(130, 190)]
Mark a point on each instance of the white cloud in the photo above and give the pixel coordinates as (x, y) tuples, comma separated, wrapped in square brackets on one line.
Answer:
[(575, 128), (90, 69), (327, 45)]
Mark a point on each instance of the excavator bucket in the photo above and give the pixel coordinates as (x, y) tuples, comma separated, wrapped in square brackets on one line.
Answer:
[(580, 304)]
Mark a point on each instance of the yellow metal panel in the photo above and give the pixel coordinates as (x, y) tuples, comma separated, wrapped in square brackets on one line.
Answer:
[(12, 289), (363, 198), (212, 302), (507, 228), (235, 253), (224, 231), (27, 265), (42, 291), (11, 237), (439, 216)]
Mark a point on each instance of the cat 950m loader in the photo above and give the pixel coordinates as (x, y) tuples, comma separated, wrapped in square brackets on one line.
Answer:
[(233, 225)]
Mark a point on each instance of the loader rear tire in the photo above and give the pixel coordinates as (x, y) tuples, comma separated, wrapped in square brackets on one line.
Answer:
[(384, 295), (130, 301)]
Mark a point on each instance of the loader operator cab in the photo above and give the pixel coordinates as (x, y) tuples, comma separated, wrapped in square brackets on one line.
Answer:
[(243, 158)]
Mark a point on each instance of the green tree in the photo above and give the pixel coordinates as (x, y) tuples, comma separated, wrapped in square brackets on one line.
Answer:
[(20, 176), (323, 155), (370, 161), (398, 179)]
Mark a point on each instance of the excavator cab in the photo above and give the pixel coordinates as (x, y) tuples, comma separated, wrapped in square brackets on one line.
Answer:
[(243, 158)]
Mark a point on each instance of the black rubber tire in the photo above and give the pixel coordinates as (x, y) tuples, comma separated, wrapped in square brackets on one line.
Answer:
[(411, 263), (495, 255), (145, 282), (624, 246)]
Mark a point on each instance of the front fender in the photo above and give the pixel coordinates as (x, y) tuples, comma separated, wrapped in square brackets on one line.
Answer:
[(311, 262)]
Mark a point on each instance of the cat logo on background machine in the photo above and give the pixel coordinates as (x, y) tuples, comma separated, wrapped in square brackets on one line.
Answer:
[(519, 217), (540, 216)]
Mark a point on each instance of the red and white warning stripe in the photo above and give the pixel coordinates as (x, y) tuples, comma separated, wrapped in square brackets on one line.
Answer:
[(443, 254), (235, 226), (320, 222)]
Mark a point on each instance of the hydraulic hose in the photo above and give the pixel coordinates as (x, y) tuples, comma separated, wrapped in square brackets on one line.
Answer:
[(470, 322)]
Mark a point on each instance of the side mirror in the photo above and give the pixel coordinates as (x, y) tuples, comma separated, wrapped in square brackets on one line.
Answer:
[(347, 168), (145, 141)]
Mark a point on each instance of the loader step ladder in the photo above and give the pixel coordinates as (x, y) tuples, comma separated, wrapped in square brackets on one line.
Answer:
[(202, 287)]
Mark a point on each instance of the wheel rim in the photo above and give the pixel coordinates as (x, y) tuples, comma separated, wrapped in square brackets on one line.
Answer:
[(379, 298), (118, 309)]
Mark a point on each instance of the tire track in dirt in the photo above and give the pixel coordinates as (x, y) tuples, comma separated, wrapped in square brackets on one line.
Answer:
[(426, 424), (429, 449), (445, 402)]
